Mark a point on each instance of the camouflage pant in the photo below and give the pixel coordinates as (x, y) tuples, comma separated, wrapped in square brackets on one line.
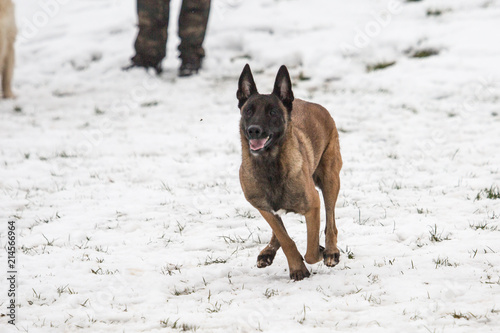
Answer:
[(150, 45)]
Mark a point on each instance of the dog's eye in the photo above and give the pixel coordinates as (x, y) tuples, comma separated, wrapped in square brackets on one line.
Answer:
[(273, 112), (248, 112)]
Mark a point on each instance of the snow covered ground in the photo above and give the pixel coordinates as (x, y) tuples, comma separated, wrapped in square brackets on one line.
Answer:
[(124, 186)]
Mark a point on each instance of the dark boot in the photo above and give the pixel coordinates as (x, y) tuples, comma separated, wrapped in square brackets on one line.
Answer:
[(137, 61), (150, 44), (193, 21), (190, 65)]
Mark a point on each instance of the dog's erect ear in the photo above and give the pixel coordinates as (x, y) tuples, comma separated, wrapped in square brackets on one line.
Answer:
[(246, 86), (283, 87)]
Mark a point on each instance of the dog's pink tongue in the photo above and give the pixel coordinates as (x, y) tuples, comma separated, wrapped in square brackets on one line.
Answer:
[(256, 144)]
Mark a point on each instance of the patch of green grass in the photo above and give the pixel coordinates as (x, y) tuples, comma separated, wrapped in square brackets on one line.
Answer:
[(444, 262), (166, 187), (49, 243), (492, 193), (303, 77), (149, 104), (64, 154), (100, 271), (424, 53), (416, 316), (393, 156), (436, 12), (28, 250), (423, 211), (410, 108), (65, 289), (245, 214), (379, 66), (166, 323), (303, 318), (180, 227), (490, 280), (170, 269), (436, 236), (374, 278), (372, 299), (49, 219), (185, 291), (235, 239), (397, 186), (210, 261), (493, 216), (348, 252), (460, 315), (482, 226), (213, 308), (100, 248), (271, 292)]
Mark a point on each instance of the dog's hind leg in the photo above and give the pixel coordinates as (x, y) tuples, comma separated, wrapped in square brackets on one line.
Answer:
[(314, 250), (7, 73), (266, 256), (330, 193), (298, 269), (328, 179)]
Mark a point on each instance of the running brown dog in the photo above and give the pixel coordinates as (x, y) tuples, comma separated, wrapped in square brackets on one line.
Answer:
[(289, 147)]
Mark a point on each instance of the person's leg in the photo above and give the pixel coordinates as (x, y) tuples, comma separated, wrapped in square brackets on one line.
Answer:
[(193, 21), (150, 44)]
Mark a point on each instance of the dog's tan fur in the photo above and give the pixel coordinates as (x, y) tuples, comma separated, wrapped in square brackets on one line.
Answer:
[(8, 33), (309, 156)]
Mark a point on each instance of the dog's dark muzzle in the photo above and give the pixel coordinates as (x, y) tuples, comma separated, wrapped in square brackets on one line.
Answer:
[(255, 132), (257, 138)]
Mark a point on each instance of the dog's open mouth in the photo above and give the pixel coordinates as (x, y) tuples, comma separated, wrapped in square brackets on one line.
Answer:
[(258, 144)]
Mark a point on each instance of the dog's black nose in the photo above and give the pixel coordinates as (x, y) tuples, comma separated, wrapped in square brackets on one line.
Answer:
[(254, 131)]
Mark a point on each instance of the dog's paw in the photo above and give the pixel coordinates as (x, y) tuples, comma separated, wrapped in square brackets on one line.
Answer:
[(264, 260), (299, 274), (331, 259), (314, 258)]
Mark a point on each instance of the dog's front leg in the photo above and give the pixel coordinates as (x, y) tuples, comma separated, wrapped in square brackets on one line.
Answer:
[(266, 256), (298, 269), (314, 252)]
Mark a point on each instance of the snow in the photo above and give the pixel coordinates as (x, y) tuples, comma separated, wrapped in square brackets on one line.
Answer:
[(124, 186)]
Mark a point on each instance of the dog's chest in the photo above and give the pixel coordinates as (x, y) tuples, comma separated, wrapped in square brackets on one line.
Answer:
[(278, 195)]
